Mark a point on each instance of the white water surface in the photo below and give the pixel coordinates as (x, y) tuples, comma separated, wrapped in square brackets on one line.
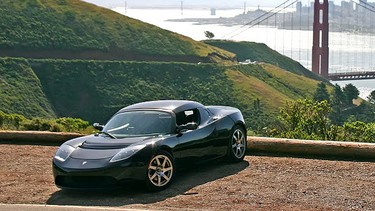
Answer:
[(348, 51)]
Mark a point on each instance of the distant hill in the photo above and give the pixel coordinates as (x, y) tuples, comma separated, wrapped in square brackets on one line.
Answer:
[(21, 91), (262, 53), (188, 3), (75, 29), (94, 90), (85, 61)]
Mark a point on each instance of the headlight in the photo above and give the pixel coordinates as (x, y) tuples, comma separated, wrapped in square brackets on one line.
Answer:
[(126, 153), (64, 152)]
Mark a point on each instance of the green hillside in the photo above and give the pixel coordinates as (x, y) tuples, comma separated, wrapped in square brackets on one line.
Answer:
[(76, 29), (21, 91), (270, 84), (262, 53), (131, 62), (94, 90)]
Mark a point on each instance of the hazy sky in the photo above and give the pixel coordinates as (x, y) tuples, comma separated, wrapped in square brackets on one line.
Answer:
[(220, 3)]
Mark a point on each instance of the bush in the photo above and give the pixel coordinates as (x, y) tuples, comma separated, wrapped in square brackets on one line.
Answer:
[(305, 119), (357, 131), (65, 124), (72, 124), (39, 124), (10, 121)]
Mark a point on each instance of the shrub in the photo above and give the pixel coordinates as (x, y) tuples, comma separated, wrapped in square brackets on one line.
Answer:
[(39, 124), (10, 121), (64, 124), (72, 124), (305, 119), (357, 131)]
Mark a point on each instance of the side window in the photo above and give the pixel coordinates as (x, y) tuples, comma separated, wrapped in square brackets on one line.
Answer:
[(187, 116), (205, 115)]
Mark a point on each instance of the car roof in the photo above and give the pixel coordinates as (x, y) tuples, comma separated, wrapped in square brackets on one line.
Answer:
[(169, 105)]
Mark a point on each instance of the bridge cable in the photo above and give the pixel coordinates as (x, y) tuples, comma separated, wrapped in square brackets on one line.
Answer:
[(364, 5), (308, 57), (267, 17), (371, 44), (356, 38), (341, 42), (291, 42), (299, 33), (363, 42), (260, 17), (264, 14), (275, 30), (370, 8), (331, 54), (283, 32)]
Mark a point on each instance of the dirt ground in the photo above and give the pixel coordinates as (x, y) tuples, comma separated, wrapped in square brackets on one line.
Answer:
[(259, 182)]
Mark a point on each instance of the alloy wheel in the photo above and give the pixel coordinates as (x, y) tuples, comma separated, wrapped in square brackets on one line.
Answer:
[(160, 170), (238, 143)]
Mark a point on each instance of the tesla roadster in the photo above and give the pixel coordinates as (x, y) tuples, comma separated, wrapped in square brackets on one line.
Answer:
[(147, 141)]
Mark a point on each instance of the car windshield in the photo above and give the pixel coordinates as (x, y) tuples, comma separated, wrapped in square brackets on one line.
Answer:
[(139, 123)]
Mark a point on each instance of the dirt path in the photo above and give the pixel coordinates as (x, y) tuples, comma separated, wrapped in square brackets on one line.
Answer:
[(260, 182)]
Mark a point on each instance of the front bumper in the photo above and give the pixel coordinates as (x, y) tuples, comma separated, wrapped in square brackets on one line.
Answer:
[(110, 176)]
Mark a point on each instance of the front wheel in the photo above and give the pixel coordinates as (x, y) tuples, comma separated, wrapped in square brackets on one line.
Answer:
[(160, 171), (237, 144)]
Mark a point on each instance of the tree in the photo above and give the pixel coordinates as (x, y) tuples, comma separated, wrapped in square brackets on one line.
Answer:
[(371, 98), (209, 34), (365, 112), (351, 92), (321, 93), (338, 99), (357, 131), (305, 119)]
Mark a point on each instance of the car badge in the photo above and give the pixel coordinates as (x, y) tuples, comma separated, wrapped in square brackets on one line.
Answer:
[(84, 162)]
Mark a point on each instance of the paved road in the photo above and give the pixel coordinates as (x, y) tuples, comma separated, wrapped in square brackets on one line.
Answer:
[(33, 207)]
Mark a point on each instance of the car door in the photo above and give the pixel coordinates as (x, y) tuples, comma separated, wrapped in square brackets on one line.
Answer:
[(217, 140), (194, 145)]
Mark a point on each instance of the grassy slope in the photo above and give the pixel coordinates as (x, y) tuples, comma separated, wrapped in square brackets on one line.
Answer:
[(94, 90), (262, 53), (21, 91), (74, 25), (248, 88), (273, 86)]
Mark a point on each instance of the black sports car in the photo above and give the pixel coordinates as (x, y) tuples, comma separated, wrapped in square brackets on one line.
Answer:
[(146, 141)]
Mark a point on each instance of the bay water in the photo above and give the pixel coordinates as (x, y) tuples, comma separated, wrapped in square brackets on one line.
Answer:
[(348, 51)]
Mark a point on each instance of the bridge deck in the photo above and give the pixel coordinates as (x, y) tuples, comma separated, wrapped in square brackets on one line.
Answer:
[(351, 76)]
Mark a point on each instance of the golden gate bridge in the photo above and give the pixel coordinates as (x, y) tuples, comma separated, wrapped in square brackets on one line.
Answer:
[(353, 23)]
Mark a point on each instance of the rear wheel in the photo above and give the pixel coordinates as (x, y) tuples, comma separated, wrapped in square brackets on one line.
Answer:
[(237, 144), (160, 171)]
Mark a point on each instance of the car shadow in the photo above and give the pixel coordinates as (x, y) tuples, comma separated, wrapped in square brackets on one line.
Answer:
[(136, 193)]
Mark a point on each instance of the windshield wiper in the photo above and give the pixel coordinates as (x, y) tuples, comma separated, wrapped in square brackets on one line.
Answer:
[(108, 134)]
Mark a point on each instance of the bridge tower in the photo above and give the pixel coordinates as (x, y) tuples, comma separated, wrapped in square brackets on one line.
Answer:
[(320, 50)]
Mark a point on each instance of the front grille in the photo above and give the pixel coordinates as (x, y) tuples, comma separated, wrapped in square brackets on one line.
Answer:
[(86, 181)]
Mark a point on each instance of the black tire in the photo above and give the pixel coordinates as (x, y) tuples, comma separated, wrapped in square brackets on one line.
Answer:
[(237, 144), (160, 171)]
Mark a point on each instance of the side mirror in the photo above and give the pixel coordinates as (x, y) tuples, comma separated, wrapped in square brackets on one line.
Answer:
[(98, 126), (188, 126)]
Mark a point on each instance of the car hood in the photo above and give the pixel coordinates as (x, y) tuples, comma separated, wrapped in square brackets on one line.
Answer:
[(100, 142), (100, 147)]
